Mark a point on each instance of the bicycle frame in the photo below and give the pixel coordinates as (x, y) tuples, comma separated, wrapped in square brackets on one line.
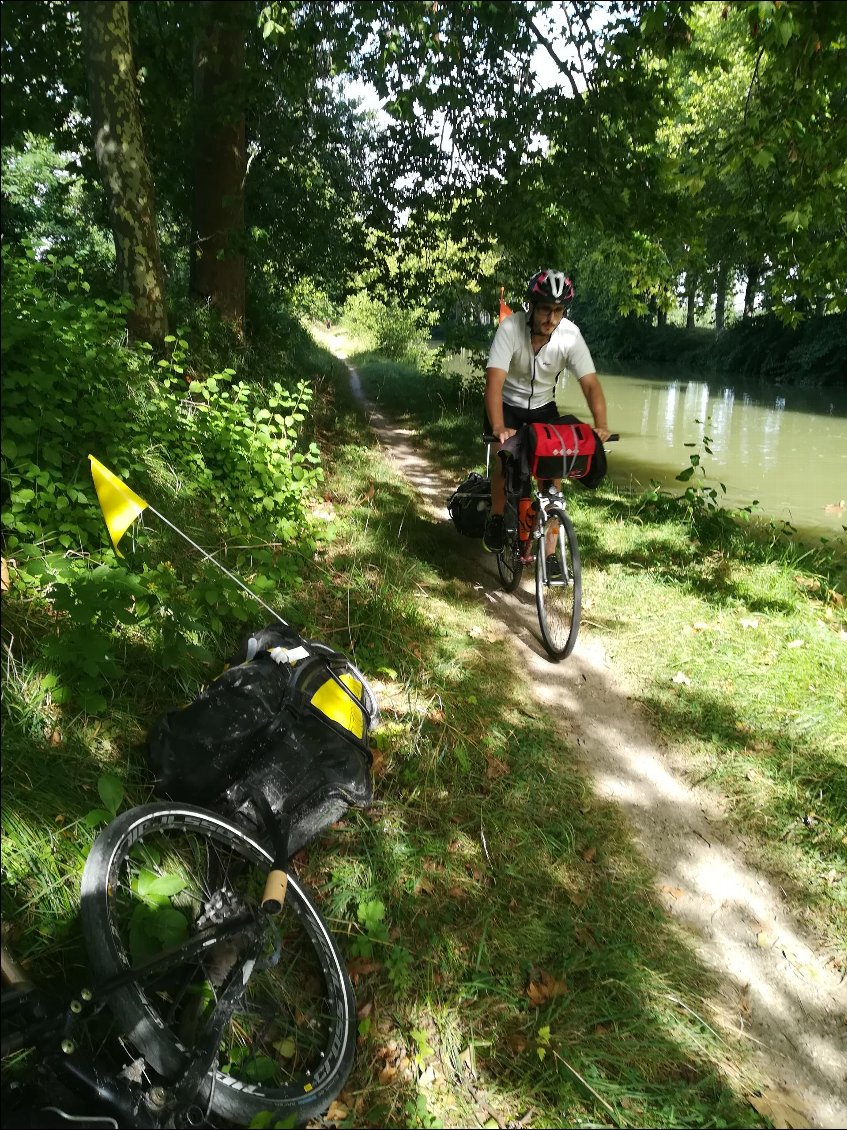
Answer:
[(545, 500), (558, 570)]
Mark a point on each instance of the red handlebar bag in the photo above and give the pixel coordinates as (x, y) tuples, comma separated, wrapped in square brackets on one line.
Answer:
[(566, 449)]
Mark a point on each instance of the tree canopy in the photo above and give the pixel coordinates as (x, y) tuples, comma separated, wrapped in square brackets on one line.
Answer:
[(679, 148)]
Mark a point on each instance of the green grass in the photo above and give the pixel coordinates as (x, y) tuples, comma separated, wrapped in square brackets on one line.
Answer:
[(510, 955)]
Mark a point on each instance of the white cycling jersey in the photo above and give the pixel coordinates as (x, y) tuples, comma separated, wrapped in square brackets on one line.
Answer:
[(531, 378)]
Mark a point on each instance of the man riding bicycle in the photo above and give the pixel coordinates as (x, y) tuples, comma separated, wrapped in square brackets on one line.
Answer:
[(530, 349)]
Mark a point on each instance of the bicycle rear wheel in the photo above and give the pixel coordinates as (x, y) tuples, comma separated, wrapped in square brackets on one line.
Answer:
[(156, 876), (558, 585), (509, 564)]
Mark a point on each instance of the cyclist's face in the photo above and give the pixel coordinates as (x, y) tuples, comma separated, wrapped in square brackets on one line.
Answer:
[(546, 317)]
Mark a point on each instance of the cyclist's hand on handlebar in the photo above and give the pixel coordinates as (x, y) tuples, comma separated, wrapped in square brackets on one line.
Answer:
[(505, 433), (603, 433)]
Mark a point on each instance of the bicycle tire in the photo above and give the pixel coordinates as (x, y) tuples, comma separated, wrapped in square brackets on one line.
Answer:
[(559, 602), (509, 564), (298, 1059)]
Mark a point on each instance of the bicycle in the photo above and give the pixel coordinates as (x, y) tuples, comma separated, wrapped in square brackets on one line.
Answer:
[(218, 969), (536, 516)]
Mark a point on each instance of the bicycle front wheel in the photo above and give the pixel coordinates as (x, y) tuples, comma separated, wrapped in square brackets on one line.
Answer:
[(159, 874), (509, 564), (558, 585)]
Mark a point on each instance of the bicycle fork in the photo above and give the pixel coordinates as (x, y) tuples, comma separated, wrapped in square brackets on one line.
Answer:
[(545, 512)]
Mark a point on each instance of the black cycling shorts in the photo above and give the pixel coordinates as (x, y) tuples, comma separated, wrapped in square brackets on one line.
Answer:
[(513, 417)]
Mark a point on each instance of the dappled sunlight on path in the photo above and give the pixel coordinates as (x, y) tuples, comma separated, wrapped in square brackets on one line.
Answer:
[(777, 992)]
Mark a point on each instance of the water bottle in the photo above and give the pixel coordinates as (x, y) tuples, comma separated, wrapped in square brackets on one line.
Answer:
[(526, 517)]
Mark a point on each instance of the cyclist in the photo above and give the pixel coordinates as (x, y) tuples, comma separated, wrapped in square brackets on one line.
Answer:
[(530, 349)]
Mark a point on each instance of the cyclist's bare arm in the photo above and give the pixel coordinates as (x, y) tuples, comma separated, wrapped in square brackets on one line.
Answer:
[(494, 381), (592, 390)]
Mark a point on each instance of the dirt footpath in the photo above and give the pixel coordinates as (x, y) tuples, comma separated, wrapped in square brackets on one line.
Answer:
[(777, 992)]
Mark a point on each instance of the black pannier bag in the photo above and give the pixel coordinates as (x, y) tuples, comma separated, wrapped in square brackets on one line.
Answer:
[(469, 505), (289, 718)]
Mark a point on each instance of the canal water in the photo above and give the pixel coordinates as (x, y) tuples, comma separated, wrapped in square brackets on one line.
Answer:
[(783, 448)]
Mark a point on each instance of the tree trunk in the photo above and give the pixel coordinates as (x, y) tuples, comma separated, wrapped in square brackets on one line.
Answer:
[(218, 270), (661, 317), (720, 299), (751, 290), (122, 161), (690, 300)]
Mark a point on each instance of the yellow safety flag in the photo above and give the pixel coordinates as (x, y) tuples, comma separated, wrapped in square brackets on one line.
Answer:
[(120, 505)]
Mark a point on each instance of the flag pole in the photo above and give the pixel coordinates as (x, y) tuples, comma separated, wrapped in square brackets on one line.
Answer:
[(222, 568)]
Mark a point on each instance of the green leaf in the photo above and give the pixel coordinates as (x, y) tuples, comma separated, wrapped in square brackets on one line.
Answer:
[(168, 925), (764, 158), (97, 816), (111, 791), (261, 1069), (685, 475), (92, 703), (164, 886)]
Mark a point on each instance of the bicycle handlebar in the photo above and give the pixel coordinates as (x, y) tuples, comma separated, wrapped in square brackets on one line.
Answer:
[(613, 438)]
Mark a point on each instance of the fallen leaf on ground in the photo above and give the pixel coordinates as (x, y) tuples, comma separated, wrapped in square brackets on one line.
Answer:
[(795, 643), (748, 622), (585, 938), (545, 988), (675, 892), (360, 966), (764, 940), (496, 768), (681, 677), (589, 854), (783, 1108), (807, 582)]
